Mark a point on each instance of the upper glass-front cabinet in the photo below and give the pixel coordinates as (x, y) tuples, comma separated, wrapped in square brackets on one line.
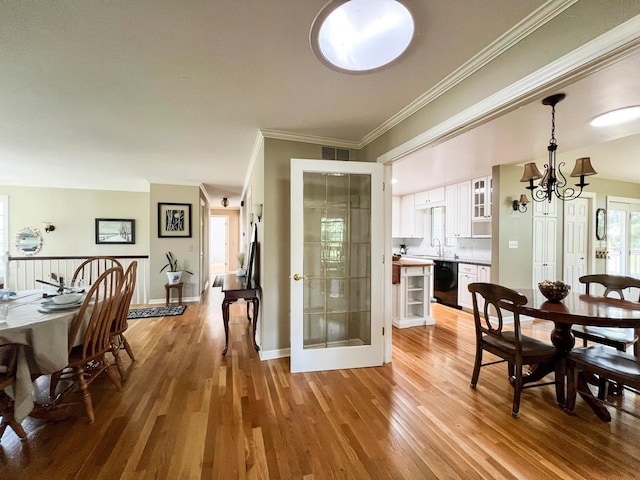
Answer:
[(481, 188)]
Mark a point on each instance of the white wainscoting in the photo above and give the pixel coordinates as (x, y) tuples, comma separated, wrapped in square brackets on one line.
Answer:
[(23, 273)]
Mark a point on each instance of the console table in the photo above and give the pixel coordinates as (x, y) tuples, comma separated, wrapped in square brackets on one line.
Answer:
[(234, 289)]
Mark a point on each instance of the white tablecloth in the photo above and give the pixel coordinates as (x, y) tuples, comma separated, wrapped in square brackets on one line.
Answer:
[(44, 341)]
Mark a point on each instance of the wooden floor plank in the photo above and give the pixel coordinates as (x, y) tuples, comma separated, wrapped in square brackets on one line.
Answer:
[(186, 411)]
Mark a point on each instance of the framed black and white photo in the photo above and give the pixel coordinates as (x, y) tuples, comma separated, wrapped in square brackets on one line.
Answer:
[(174, 220), (114, 231)]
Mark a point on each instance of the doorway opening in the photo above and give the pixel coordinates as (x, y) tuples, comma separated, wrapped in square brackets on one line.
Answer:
[(218, 244)]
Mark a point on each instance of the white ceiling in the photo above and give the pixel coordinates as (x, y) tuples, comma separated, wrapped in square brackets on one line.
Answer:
[(119, 94), (523, 135)]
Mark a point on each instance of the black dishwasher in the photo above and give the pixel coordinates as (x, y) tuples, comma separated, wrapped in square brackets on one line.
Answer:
[(445, 283)]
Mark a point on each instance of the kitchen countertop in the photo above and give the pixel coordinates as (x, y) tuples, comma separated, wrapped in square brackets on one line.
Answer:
[(408, 262), (413, 262), (472, 261)]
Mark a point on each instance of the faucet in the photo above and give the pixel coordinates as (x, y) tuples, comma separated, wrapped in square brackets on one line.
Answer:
[(436, 239)]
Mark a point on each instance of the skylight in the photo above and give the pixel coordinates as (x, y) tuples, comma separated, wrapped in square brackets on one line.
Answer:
[(361, 35)]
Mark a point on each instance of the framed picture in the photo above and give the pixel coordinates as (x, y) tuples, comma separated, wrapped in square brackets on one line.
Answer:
[(174, 220), (601, 224), (115, 231)]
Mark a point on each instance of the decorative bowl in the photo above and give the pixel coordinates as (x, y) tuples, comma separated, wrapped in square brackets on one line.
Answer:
[(67, 298), (554, 291)]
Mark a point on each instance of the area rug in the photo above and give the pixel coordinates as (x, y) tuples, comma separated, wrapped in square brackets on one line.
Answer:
[(217, 282), (135, 313)]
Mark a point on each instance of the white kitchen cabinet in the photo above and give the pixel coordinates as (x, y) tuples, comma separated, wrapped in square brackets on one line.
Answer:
[(430, 198), (467, 274), (481, 189), (484, 274), (412, 305), (458, 210), (395, 216), (411, 220)]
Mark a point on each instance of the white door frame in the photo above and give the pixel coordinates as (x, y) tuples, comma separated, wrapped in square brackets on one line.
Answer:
[(354, 356)]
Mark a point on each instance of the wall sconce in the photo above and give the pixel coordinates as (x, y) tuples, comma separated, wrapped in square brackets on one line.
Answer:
[(521, 205), (225, 202), (48, 227), (258, 208)]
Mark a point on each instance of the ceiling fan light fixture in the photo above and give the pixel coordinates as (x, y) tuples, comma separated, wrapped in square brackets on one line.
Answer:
[(616, 117), (361, 36)]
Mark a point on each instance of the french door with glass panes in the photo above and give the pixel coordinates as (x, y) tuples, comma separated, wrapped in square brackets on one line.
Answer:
[(623, 238), (337, 246)]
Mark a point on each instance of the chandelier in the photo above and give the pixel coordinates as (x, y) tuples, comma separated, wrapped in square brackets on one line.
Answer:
[(553, 181)]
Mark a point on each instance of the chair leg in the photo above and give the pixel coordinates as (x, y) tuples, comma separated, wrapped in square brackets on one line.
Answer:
[(476, 367), (572, 382), (603, 387), (84, 392), (127, 347), (517, 392), (113, 373), (561, 375), (115, 351), (8, 420)]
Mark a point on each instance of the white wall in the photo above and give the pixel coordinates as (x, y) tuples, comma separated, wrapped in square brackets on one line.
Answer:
[(73, 212)]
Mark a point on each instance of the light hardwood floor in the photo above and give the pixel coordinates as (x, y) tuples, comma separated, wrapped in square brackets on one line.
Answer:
[(187, 412)]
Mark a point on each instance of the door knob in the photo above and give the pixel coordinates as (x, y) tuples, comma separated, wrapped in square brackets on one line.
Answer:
[(297, 277)]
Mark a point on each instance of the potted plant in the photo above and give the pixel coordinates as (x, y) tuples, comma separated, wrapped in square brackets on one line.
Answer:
[(174, 274)]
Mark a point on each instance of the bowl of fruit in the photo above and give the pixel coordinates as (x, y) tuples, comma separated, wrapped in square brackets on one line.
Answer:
[(554, 291)]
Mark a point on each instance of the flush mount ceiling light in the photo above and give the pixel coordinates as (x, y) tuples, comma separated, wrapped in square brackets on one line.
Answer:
[(360, 36), (616, 117)]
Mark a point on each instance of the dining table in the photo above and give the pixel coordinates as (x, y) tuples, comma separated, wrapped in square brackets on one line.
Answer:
[(577, 309), (41, 333)]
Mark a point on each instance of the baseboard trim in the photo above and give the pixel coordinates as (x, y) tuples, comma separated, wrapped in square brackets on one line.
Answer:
[(274, 354)]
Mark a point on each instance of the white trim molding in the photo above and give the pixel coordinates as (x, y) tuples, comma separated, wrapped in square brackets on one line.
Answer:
[(605, 49)]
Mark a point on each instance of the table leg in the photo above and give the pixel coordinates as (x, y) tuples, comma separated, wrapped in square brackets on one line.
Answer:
[(256, 308), (225, 320)]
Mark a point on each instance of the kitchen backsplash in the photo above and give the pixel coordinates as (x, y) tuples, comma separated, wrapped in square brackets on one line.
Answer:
[(473, 248)]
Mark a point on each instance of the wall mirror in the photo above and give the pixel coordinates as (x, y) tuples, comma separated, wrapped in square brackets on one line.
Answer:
[(28, 241), (601, 224)]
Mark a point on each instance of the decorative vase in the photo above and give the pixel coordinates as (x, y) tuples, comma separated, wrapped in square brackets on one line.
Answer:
[(173, 278)]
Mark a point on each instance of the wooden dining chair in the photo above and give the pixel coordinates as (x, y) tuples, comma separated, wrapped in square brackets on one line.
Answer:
[(92, 268), (89, 339), (618, 338), (615, 365), (120, 323), (493, 308), (8, 364)]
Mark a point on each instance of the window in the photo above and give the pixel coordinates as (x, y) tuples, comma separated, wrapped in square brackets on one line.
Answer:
[(4, 234)]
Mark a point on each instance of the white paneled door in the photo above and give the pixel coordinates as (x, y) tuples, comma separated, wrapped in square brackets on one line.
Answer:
[(337, 271), (576, 242)]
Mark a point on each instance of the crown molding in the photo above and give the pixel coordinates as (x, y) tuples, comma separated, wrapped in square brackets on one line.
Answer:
[(605, 49), (528, 25), (532, 22), (294, 137)]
